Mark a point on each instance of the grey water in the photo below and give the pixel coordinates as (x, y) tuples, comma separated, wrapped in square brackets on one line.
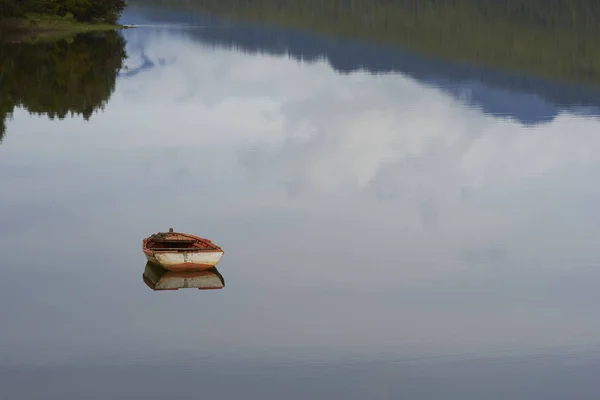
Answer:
[(395, 225)]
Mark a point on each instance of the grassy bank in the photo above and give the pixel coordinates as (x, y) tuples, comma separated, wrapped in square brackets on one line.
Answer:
[(42, 26)]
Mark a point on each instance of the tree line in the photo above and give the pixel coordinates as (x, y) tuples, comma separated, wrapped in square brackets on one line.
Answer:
[(551, 38), (574, 14), (74, 76), (82, 10)]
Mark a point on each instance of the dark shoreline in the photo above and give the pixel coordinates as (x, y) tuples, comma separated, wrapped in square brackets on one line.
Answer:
[(43, 27)]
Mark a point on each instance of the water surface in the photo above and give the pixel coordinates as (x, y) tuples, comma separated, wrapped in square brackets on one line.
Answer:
[(395, 225)]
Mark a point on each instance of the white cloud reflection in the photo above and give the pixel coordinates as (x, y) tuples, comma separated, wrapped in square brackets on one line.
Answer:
[(290, 133), (298, 169)]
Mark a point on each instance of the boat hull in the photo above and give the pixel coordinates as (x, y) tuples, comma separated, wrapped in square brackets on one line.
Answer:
[(185, 261), (175, 251)]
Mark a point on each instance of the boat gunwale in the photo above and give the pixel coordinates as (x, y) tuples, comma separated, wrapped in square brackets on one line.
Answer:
[(150, 251)]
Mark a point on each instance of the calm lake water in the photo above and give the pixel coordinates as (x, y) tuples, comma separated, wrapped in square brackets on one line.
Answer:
[(395, 225)]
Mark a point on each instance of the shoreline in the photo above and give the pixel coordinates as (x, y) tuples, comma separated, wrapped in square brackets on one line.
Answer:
[(41, 26)]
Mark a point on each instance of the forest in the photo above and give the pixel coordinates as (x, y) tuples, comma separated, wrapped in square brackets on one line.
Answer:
[(548, 38), (73, 76), (82, 10)]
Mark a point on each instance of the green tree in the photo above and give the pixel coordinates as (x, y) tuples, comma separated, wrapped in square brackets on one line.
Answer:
[(8, 8), (82, 10), (67, 77), (109, 10), (89, 10)]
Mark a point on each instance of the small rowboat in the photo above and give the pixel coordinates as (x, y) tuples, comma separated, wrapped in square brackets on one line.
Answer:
[(181, 251), (158, 278)]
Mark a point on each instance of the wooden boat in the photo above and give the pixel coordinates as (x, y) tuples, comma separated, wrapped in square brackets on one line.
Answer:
[(157, 278), (181, 251)]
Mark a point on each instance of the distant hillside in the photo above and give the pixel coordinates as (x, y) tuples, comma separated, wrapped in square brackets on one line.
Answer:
[(548, 38)]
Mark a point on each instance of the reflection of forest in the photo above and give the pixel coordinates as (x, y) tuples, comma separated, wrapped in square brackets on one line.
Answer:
[(552, 38), (56, 78)]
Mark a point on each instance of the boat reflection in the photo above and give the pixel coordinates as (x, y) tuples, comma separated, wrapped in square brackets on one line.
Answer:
[(158, 278)]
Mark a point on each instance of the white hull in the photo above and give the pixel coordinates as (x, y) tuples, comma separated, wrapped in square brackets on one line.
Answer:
[(185, 260)]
